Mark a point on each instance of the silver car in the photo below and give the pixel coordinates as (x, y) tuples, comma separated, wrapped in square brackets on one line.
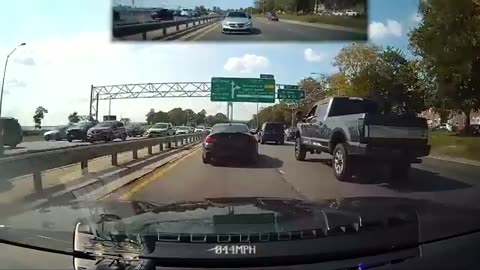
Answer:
[(237, 22)]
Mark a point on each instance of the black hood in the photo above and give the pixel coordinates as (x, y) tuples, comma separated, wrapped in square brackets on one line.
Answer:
[(263, 219)]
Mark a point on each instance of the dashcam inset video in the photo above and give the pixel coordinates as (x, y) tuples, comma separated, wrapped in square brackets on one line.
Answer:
[(239, 20)]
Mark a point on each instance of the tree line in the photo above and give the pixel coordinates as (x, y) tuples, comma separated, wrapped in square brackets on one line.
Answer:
[(180, 117), (443, 74)]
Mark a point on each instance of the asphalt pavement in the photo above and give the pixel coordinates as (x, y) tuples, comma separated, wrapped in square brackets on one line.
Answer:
[(278, 174), (265, 30)]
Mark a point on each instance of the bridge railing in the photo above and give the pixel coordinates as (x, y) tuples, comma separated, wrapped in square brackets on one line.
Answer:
[(120, 31), (36, 163)]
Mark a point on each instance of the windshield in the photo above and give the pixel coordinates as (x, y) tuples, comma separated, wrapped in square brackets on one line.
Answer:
[(237, 15), (230, 128), (160, 126), (105, 124), (215, 129)]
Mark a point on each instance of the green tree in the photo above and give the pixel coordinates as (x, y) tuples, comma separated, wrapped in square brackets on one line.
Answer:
[(448, 41), (38, 116), (160, 117), (74, 118), (200, 119), (178, 116), (150, 115)]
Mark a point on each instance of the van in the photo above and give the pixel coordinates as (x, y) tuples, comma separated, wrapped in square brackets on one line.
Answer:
[(272, 131)]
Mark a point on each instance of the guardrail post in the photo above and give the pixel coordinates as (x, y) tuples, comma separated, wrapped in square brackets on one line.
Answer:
[(37, 181), (160, 147), (84, 167), (114, 159), (169, 144), (164, 31), (150, 150), (135, 154), (186, 25), (1, 139), (178, 27), (144, 35), (193, 23)]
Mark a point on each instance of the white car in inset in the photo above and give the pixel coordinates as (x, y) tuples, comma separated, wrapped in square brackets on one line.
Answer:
[(237, 22)]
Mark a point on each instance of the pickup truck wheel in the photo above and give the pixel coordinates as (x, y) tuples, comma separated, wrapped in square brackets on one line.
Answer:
[(300, 151), (341, 163)]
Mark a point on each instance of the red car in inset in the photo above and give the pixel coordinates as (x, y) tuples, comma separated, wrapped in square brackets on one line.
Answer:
[(271, 16)]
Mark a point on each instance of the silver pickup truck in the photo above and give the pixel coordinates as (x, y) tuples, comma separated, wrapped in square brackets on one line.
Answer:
[(352, 128)]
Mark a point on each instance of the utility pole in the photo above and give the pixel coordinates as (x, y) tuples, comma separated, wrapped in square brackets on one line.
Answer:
[(258, 118)]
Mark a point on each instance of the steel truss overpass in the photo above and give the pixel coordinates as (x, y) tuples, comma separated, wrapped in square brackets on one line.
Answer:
[(153, 90)]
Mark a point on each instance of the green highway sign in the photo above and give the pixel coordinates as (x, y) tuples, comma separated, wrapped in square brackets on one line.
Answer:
[(292, 87), (243, 90), (266, 76), (290, 94)]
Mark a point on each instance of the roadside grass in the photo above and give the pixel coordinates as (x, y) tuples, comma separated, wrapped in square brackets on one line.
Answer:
[(346, 21), (451, 144)]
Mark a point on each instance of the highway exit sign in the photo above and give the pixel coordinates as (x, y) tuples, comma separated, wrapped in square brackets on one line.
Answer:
[(290, 94), (266, 76), (243, 90)]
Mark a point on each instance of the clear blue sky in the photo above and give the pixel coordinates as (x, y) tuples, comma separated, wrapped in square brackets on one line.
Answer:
[(68, 49)]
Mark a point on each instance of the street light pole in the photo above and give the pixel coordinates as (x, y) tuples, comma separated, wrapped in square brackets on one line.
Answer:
[(4, 72)]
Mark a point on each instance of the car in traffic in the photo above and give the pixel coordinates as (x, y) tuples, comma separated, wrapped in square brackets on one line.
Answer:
[(290, 133), (107, 131), (160, 130), (351, 13), (208, 130), (186, 13), (199, 129), (11, 131), (162, 15), (271, 16), (237, 22), (445, 127), (57, 134), (182, 130), (135, 129), (271, 132), (79, 131), (354, 130), (230, 141)]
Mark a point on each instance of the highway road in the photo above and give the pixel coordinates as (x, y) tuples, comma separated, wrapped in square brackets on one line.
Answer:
[(265, 30), (278, 174), (25, 147)]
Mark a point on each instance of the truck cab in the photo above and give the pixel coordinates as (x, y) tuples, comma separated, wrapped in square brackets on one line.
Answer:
[(351, 128)]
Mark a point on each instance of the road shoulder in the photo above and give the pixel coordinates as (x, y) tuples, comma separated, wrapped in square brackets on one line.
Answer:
[(456, 160)]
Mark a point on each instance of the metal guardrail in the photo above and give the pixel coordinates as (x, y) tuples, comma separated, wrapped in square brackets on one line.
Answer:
[(36, 163), (142, 28)]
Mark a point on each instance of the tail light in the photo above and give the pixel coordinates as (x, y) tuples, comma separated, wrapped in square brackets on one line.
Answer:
[(209, 139)]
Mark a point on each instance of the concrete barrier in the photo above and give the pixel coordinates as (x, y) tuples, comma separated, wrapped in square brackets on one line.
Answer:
[(34, 164)]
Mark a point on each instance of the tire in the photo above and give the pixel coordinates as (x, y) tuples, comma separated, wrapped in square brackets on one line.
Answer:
[(300, 151), (262, 141), (47, 139), (281, 142), (124, 137), (400, 170), (341, 163), (205, 160), (69, 139), (13, 145)]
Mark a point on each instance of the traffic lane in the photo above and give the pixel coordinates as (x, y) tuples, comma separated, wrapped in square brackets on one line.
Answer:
[(281, 31), (25, 147), (191, 180), (437, 180)]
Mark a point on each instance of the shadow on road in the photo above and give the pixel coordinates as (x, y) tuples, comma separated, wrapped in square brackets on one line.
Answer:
[(264, 162), (418, 181), (255, 31)]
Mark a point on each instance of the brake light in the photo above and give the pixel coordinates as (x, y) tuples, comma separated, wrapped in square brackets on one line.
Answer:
[(209, 139)]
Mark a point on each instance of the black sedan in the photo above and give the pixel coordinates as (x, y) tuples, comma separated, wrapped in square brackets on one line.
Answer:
[(230, 141)]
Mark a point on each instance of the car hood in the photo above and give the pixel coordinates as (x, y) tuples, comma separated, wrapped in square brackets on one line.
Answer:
[(99, 129), (222, 216), (157, 129), (51, 132), (236, 20)]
